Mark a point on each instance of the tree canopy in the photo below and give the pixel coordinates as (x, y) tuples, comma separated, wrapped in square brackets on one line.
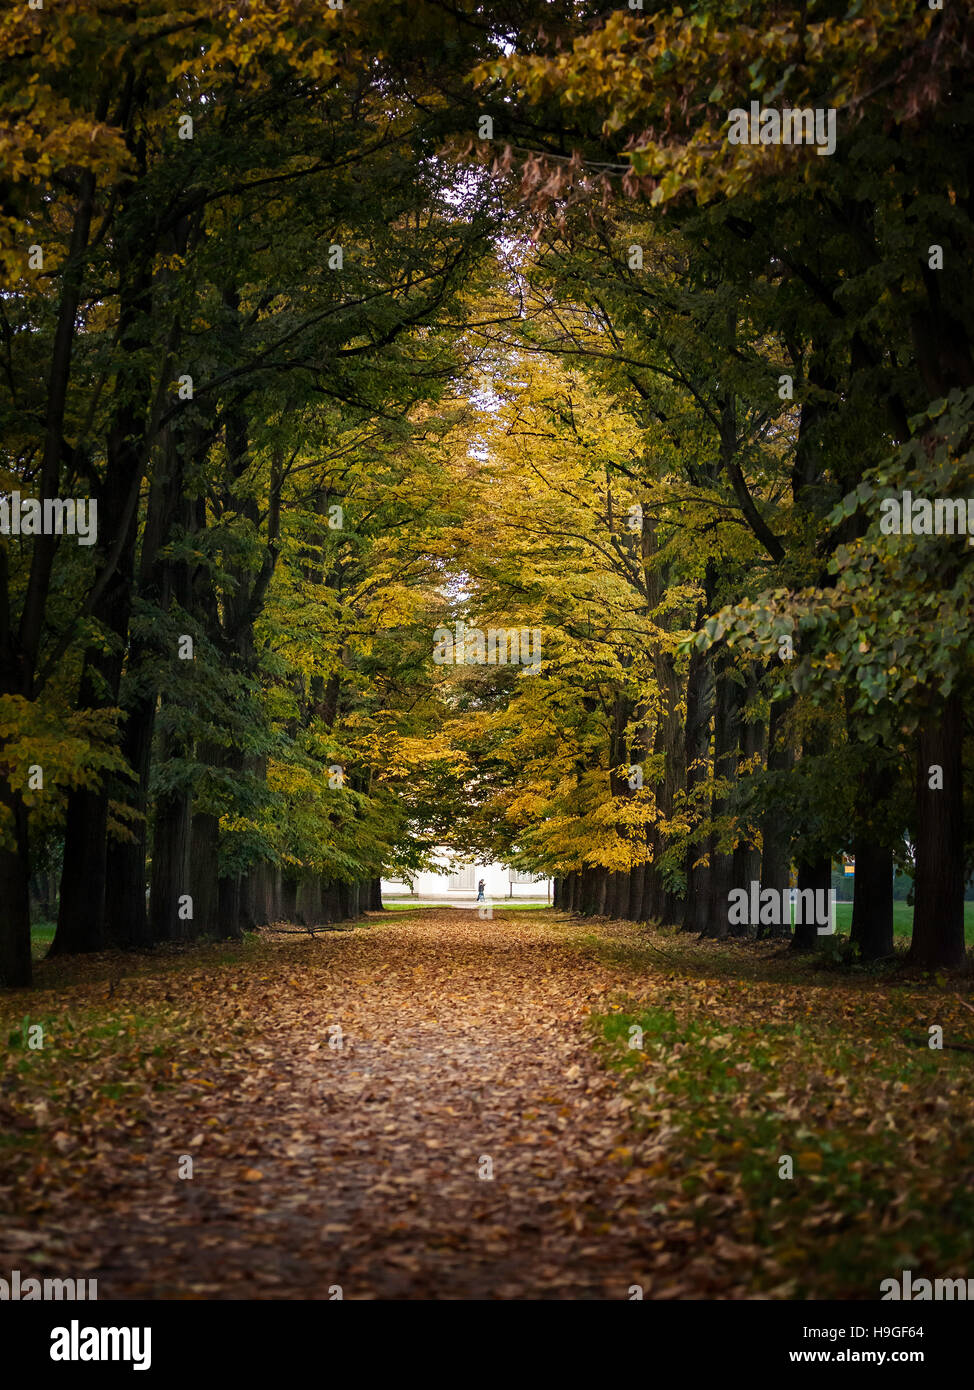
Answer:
[(354, 324)]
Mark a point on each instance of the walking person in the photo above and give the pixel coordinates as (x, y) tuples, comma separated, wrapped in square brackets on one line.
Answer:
[(482, 884)]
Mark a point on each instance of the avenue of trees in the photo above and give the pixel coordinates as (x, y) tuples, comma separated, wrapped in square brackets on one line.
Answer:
[(358, 322)]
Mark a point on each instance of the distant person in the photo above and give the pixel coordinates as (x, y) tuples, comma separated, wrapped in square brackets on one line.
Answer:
[(480, 890)]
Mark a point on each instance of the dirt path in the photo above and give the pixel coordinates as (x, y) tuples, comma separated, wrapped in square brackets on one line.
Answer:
[(459, 1144)]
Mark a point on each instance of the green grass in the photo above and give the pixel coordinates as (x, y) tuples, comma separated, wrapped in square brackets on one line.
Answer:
[(903, 920), (878, 1169), (508, 905), (41, 936)]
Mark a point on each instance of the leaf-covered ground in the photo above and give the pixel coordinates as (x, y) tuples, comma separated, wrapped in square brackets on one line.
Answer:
[(485, 1129)]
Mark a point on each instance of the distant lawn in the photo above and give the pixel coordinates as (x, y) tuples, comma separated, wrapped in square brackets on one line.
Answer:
[(903, 919), (498, 904), (41, 936)]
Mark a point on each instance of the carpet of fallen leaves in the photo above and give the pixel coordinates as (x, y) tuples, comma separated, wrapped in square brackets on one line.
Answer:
[(481, 1126)]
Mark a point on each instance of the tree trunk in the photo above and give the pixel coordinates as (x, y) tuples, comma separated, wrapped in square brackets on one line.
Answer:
[(727, 723), (228, 926), (818, 877), (257, 896), (589, 892), (172, 877), (205, 874), (289, 898), (125, 860), (637, 879), (938, 914), (81, 918), (601, 888), (81, 910), (872, 903), (618, 884), (273, 893), (747, 857), (19, 650), (332, 902), (15, 962), (700, 705), (775, 830), (309, 905)]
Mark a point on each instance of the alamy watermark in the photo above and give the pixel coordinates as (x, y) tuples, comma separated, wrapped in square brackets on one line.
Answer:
[(918, 516), (19, 1289), (763, 125), (500, 646), (77, 1343), (920, 1290), (771, 907), (53, 516)]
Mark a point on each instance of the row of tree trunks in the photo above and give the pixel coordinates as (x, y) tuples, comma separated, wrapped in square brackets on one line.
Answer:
[(307, 899), (728, 707), (601, 893), (82, 924), (700, 702), (227, 907), (938, 913), (775, 831)]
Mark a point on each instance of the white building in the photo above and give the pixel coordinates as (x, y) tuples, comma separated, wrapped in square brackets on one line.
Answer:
[(500, 882)]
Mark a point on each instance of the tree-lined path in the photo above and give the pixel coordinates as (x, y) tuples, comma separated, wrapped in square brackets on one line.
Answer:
[(521, 1107), (433, 434)]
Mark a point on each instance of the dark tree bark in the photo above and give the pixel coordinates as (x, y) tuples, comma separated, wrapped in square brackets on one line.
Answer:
[(816, 876), (332, 902), (81, 910), (589, 892), (309, 904), (160, 581), (289, 898), (229, 924), (15, 962), (700, 705), (872, 904), (660, 903), (256, 897), (746, 868), (125, 860), (601, 886), (729, 698), (775, 830), (938, 914), (205, 874), (81, 917), (172, 876), (637, 878), (19, 649), (617, 885)]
